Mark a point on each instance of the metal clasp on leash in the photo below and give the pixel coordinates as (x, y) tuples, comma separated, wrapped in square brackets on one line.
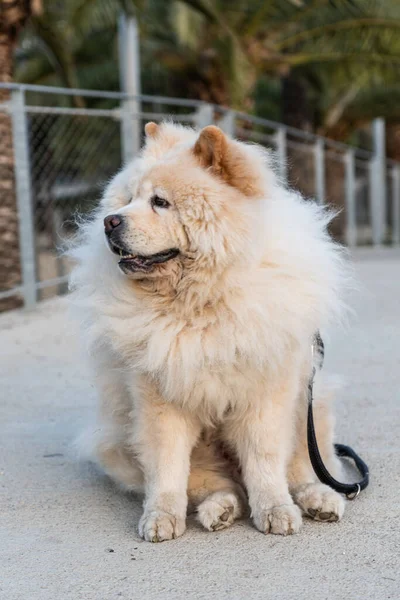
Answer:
[(354, 495)]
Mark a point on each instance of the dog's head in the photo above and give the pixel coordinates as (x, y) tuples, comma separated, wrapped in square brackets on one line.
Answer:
[(188, 199)]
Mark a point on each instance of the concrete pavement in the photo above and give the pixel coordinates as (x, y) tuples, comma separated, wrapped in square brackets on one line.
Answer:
[(67, 533)]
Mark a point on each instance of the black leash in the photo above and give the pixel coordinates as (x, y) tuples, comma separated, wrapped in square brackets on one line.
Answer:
[(350, 489)]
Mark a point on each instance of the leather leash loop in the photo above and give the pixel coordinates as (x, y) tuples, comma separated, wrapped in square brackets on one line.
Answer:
[(351, 490)]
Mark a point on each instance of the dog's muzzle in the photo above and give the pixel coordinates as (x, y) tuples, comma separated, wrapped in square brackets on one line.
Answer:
[(130, 262)]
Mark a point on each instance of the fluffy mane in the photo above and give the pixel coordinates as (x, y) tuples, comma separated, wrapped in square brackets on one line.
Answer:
[(266, 275)]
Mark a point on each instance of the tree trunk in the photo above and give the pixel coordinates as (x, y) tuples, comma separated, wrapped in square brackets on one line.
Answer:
[(296, 109), (13, 14), (393, 141), (10, 267), (296, 113)]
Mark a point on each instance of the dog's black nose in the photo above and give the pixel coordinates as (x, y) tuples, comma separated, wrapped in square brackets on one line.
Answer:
[(111, 222)]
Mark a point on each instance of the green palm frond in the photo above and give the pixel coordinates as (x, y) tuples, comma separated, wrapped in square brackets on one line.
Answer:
[(358, 26), (375, 100), (89, 15)]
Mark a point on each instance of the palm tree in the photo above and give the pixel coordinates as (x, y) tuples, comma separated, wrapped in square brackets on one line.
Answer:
[(13, 16), (218, 50)]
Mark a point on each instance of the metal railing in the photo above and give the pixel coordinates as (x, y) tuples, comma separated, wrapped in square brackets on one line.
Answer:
[(63, 156)]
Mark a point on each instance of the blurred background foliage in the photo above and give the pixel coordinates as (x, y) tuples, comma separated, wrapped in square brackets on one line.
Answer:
[(328, 66)]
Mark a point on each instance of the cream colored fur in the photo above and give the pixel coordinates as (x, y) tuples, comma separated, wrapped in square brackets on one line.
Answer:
[(202, 364)]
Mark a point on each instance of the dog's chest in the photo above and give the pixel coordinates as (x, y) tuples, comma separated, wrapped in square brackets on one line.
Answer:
[(208, 366)]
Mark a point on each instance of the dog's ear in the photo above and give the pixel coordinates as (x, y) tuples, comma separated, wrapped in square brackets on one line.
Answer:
[(151, 129), (211, 149), (226, 159)]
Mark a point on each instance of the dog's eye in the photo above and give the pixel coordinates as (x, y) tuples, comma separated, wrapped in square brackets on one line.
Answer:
[(159, 202)]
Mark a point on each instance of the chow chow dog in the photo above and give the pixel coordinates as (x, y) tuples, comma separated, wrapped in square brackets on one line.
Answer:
[(201, 281)]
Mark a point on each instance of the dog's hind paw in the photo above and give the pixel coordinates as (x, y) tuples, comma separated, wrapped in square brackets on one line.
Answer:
[(219, 510)]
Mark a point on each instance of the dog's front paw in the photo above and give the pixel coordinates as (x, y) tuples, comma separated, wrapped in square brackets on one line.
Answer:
[(158, 526), (280, 520), (320, 502)]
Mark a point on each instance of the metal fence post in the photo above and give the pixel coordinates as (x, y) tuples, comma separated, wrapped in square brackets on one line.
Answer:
[(350, 199), (378, 181), (227, 122), (281, 150), (319, 162), (396, 205), (24, 197), (130, 144), (129, 60), (204, 116), (374, 202)]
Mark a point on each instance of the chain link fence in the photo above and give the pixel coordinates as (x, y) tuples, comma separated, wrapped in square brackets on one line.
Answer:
[(56, 159)]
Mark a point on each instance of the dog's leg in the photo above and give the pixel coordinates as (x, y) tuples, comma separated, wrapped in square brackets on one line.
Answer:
[(163, 438), (317, 500), (262, 438), (219, 499)]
